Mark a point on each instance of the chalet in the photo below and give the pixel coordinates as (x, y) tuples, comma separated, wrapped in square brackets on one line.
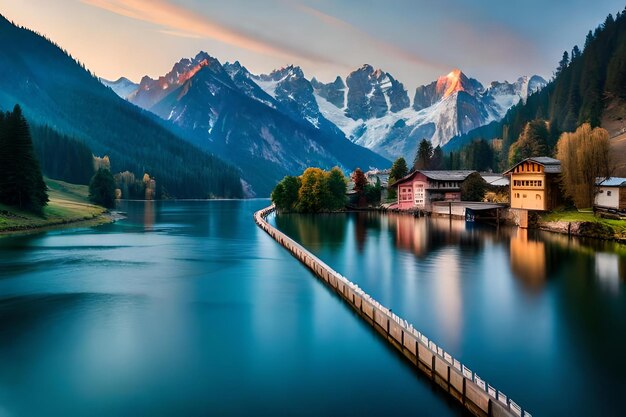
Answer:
[(420, 189), (611, 194), (533, 183)]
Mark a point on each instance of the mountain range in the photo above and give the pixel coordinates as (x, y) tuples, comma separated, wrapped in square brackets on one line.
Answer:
[(370, 108), (55, 90), (269, 126)]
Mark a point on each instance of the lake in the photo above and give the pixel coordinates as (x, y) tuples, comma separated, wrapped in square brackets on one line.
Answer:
[(187, 308), (537, 315)]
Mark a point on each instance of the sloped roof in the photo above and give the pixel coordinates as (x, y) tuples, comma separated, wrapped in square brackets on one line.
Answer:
[(440, 175), (550, 165), (611, 182), (497, 180), (447, 175)]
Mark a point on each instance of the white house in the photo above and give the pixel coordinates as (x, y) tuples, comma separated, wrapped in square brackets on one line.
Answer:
[(611, 193)]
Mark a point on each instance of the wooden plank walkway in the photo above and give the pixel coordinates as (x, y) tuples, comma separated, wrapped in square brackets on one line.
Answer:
[(480, 398)]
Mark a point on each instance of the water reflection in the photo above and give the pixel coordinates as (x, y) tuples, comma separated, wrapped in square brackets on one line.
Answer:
[(421, 236), (148, 215), (188, 308), (608, 270), (528, 259), (448, 295), (537, 314)]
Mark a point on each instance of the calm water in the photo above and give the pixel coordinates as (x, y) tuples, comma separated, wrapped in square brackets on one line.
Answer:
[(539, 316), (189, 309)]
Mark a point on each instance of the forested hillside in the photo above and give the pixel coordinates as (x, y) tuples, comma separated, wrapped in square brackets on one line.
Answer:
[(54, 90), (587, 83), (62, 157)]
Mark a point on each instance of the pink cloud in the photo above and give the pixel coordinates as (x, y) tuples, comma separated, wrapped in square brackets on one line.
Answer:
[(178, 21)]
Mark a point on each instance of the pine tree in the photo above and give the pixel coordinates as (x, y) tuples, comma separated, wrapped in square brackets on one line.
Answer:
[(563, 63), (336, 183), (21, 182), (398, 170), (102, 188), (423, 156), (436, 161)]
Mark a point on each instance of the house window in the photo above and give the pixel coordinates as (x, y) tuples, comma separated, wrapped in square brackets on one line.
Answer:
[(537, 197), (523, 195), (608, 193)]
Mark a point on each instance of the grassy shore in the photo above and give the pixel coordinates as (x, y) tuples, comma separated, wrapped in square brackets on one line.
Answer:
[(69, 204), (586, 224)]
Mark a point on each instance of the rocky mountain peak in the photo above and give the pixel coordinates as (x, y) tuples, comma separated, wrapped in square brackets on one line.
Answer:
[(372, 93)]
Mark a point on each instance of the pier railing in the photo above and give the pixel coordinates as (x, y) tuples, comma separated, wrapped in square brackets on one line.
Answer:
[(466, 386)]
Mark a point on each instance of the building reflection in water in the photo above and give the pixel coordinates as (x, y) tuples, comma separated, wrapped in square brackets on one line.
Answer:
[(528, 259), (447, 293), (148, 215), (608, 270)]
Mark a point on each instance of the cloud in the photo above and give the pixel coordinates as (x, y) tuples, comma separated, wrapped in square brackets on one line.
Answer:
[(178, 21), (178, 34), (366, 38)]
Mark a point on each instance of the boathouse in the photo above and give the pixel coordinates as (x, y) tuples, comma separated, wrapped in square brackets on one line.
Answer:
[(420, 189), (611, 194), (533, 183)]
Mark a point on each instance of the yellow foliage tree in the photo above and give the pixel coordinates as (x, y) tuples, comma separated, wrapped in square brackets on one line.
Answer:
[(585, 157)]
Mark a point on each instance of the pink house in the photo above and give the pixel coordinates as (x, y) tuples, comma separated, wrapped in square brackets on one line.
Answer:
[(420, 188)]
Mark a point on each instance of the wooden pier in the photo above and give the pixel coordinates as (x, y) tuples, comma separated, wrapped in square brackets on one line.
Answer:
[(471, 391)]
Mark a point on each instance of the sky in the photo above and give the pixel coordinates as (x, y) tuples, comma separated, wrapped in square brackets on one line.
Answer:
[(414, 40)]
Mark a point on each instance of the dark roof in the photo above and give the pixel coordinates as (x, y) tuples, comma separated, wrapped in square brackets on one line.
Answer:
[(447, 175), (550, 165), (439, 175), (611, 182)]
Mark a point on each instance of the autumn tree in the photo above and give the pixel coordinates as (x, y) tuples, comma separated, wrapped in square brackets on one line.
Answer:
[(585, 157), (313, 192), (316, 190), (103, 162), (360, 182)]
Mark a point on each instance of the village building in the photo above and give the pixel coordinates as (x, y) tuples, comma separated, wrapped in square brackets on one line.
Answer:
[(611, 194), (533, 184), (494, 180), (420, 189)]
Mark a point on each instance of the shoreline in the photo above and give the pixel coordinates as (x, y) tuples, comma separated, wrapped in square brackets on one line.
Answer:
[(581, 229), (105, 217)]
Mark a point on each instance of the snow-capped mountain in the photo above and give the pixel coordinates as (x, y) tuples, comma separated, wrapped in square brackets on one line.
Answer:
[(373, 109), (123, 87), (285, 120), (267, 125)]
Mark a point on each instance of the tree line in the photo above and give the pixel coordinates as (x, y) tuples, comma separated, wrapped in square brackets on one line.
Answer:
[(314, 191), (585, 82), (21, 181), (62, 93), (62, 157)]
